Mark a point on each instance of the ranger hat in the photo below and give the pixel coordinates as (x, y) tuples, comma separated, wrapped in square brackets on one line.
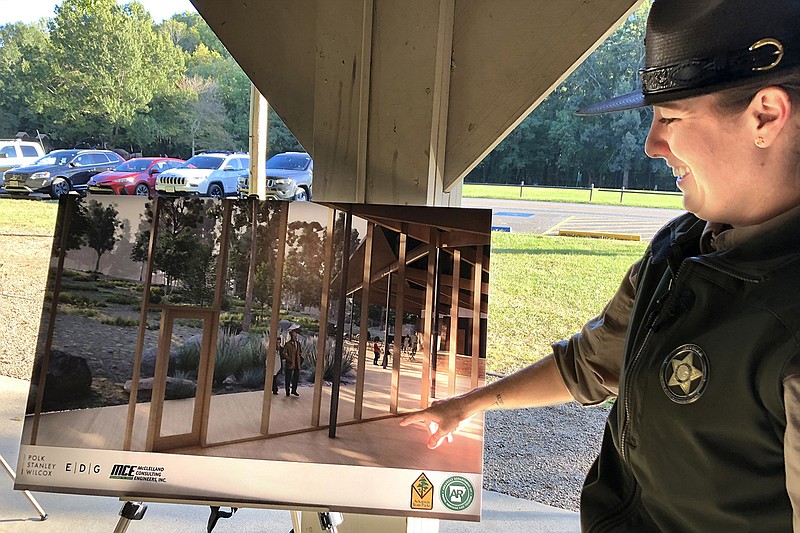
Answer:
[(695, 47), (293, 327)]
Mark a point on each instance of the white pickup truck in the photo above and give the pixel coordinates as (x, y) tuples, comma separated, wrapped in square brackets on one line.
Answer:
[(15, 153)]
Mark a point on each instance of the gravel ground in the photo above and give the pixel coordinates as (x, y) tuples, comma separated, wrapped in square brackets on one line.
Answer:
[(538, 454)]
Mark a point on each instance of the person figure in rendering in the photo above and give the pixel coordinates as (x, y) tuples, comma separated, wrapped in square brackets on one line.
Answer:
[(293, 360), (376, 351), (277, 365), (700, 345)]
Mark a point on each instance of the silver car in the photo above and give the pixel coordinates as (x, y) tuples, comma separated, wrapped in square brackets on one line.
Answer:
[(214, 174), (289, 177)]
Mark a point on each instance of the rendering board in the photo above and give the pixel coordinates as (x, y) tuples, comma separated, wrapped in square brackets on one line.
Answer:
[(168, 329)]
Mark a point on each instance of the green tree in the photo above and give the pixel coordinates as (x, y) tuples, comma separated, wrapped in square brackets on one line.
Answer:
[(107, 64), (24, 63)]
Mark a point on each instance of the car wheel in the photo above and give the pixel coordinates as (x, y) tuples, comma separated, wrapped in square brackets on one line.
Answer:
[(142, 190), (215, 191), (58, 187), (300, 195)]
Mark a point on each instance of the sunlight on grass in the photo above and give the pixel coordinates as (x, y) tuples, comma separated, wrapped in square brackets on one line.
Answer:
[(544, 289), (21, 216), (579, 196)]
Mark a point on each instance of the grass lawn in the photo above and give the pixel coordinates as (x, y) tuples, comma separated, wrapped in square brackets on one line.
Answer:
[(577, 196), (543, 289), (21, 216)]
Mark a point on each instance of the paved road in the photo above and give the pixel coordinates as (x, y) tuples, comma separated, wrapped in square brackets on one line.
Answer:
[(548, 218)]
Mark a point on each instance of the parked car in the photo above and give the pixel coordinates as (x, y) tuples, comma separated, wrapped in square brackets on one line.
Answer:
[(214, 174), (60, 172), (15, 153), (289, 177), (133, 177)]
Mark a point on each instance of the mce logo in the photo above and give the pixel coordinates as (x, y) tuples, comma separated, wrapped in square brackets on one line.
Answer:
[(122, 471)]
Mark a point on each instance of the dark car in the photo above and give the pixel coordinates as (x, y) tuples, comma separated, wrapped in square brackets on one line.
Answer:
[(289, 177), (133, 177), (60, 171)]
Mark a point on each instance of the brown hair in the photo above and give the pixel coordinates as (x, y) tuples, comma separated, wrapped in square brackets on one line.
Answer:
[(736, 99)]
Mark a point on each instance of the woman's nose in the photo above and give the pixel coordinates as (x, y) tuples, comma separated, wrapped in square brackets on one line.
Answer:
[(654, 145)]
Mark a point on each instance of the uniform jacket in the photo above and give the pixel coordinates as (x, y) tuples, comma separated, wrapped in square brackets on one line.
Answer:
[(697, 347), (293, 354)]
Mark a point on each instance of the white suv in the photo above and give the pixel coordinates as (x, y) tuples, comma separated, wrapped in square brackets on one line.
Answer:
[(15, 153), (214, 174)]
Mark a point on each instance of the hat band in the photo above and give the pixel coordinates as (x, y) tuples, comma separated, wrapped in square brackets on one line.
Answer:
[(762, 56)]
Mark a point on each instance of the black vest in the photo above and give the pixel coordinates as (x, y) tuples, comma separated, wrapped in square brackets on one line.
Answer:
[(695, 439)]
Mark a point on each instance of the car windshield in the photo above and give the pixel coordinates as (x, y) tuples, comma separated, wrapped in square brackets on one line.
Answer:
[(55, 158), (134, 165), (203, 161), (289, 162)]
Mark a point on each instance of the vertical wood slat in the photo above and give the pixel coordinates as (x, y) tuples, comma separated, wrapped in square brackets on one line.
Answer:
[(207, 367), (323, 318), (275, 317), (344, 276), (363, 331), (477, 287), (137, 358), (159, 385), (398, 323), (69, 206), (427, 328), (453, 341)]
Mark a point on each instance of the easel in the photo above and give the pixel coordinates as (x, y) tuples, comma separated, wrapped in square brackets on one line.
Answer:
[(132, 510), (10, 472)]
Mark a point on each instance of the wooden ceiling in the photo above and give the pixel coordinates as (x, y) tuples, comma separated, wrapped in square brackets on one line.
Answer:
[(397, 100)]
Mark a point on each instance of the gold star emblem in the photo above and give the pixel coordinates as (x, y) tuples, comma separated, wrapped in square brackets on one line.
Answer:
[(684, 373)]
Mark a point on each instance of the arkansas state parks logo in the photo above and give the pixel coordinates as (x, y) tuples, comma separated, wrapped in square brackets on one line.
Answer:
[(684, 374)]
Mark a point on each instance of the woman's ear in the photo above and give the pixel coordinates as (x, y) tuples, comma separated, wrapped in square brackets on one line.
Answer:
[(769, 111)]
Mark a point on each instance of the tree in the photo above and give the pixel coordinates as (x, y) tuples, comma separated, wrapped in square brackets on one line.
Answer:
[(24, 53), (107, 64), (94, 225)]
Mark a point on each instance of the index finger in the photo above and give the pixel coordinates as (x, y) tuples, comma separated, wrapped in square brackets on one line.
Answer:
[(413, 418)]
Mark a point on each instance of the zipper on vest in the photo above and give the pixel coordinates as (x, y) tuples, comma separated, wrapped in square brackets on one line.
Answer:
[(650, 322)]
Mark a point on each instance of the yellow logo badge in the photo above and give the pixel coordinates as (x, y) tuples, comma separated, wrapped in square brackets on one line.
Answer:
[(422, 493)]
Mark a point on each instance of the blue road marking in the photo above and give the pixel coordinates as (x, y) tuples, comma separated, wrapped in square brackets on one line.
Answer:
[(512, 214)]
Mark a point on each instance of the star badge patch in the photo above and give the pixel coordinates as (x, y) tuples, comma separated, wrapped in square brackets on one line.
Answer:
[(684, 374)]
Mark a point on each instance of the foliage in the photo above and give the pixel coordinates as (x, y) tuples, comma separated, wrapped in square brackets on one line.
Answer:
[(106, 74), (329, 364), (79, 300), (253, 378), (120, 321), (553, 146), (95, 226)]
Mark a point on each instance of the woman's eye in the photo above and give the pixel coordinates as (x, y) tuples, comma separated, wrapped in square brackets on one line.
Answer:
[(667, 121)]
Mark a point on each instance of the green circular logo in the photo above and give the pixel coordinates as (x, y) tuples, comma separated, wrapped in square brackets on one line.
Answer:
[(457, 493)]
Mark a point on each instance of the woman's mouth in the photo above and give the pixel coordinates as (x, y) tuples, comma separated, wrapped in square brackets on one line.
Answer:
[(680, 173)]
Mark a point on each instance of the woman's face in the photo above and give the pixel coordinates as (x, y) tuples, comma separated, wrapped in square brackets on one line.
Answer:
[(713, 157)]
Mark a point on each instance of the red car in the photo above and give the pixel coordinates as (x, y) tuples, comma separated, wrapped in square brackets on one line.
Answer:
[(133, 177)]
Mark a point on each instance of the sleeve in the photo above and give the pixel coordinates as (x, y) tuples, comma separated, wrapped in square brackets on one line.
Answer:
[(791, 439), (589, 362)]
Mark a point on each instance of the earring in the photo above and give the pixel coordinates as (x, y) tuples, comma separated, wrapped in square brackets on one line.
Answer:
[(760, 142)]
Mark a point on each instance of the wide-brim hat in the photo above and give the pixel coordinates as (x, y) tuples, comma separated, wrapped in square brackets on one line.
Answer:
[(293, 327), (696, 47)]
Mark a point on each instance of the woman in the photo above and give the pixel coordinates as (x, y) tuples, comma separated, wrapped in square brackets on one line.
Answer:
[(700, 344)]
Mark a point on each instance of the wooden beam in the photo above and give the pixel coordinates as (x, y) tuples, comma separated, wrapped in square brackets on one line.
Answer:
[(204, 389), (477, 277), (398, 324), (428, 322), (363, 324), (67, 208), (327, 267), (275, 316), (452, 343), (341, 98)]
